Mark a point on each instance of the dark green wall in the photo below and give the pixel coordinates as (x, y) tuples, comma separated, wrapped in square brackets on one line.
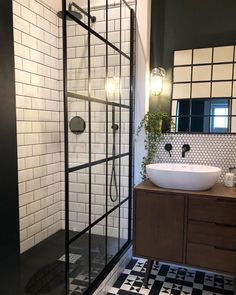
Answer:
[(183, 24), (9, 208)]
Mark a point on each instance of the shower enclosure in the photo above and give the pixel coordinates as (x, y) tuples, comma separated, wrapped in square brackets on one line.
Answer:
[(98, 49)]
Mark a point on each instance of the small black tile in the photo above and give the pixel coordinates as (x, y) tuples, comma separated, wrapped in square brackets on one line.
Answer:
[(196, 292), (178, 282), (175, 292), (217, 290), (120, 281), (199, 277), (137, 273), (163, 270), (156, 288), (131, 264)]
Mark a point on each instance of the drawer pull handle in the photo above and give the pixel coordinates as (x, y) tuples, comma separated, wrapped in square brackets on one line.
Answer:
[(225, 225), (225, 249)]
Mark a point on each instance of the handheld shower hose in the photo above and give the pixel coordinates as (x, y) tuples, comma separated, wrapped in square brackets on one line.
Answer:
[(113, 179)]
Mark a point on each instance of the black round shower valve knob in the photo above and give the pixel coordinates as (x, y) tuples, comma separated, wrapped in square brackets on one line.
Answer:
[(77, 125), (115, 127)]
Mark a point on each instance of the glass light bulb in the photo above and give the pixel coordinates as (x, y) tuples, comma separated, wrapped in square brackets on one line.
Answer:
[(112, 85), (156, 83)]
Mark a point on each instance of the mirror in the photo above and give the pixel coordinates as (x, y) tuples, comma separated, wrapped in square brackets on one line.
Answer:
[(204, 90), (202, 115)]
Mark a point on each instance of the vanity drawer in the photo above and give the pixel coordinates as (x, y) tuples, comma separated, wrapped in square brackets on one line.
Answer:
[(218, 210), (212, 234), (211, 258)]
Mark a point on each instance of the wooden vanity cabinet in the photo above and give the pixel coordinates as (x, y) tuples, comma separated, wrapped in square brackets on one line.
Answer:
[(193, 228), (159, 225)]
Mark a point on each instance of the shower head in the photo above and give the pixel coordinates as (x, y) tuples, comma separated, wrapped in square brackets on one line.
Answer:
[(77, 14), (74, 13)]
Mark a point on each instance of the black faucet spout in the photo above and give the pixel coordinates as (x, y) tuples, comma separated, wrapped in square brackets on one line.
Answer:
[(185, 148)]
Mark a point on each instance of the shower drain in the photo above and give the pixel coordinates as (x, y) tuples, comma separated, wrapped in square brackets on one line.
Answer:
[(73, 258)]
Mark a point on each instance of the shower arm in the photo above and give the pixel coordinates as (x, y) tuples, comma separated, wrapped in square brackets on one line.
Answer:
[(93, 18)]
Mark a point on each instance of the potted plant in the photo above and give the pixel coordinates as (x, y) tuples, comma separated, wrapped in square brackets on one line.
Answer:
[(153, 124)]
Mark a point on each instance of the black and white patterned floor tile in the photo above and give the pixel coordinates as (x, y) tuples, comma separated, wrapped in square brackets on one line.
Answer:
[(170, 279), (79, 273)]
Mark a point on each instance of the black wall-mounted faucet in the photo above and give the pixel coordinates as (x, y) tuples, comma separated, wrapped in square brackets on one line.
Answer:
[(168, 148), (185, 148)]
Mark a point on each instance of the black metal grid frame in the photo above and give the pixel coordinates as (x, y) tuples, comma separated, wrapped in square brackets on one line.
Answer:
[(91, 163), (208, 117), (212, 63)]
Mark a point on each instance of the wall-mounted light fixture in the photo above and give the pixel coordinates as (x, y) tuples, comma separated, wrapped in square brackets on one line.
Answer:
[(156, 81)]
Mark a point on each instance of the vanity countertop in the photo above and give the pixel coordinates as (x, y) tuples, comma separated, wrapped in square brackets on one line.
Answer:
[(218, 190)]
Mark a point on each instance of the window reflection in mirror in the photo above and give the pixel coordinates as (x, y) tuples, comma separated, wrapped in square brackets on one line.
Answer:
[(202, 115)]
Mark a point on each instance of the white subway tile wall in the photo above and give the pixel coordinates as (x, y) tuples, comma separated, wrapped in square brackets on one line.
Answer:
[(36, 37)]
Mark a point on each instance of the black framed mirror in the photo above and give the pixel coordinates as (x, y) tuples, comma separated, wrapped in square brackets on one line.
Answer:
[(204, 90)]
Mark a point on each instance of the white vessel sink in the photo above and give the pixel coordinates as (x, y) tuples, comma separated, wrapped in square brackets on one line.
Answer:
[(183, 176)]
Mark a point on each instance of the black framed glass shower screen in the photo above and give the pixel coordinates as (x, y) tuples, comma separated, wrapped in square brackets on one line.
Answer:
[(98, 87)]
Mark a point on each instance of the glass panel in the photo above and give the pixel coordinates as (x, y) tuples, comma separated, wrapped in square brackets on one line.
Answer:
[(183, 107), (183, 112), (233, 106), (125, 130), (114, 22), (113, 76), (182, 124), (233, 124), (112, 234), (78, 142), (174, 125), (98, 191), (125, 81), (198, 124), (113, 183), (79, 265), (98, 248), (113, 130), (79, 9), (206, 115), (78, 201), (98, 68), (98, 131), (98, 9), (124, 178), (124, 223), (77, 59), (125, 29), (219, 124)]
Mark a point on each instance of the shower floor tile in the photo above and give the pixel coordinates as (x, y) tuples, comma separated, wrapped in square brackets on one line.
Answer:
[(170, 279)]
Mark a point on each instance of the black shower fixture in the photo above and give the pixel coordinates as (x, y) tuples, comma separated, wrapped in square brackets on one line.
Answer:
[(77, 14), (168, 148), (77, 125), (113, 179)]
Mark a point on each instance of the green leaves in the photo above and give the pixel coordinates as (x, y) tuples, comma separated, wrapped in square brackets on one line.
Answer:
[(152, 124)]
